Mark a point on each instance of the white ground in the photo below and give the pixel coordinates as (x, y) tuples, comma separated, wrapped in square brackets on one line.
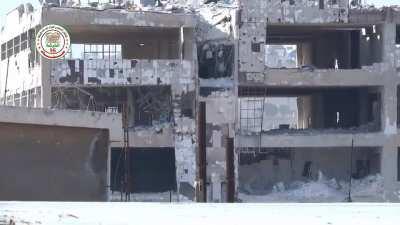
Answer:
[(197, 214)]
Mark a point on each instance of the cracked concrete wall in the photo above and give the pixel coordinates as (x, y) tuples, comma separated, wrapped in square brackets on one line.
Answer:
[(251, 38), (220, 120), (217, 33), (306, 11), (184, 101), (122, 72), (217, 50), (374, 15)]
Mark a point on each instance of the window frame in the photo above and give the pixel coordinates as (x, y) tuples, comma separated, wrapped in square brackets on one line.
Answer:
[(17, 44), (10, 48), (24, 41)]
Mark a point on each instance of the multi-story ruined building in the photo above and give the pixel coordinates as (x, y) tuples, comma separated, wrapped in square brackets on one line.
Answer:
[(228, 98), (143, 62)]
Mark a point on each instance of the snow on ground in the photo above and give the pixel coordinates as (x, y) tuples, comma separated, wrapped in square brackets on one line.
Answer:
[(56, 213), (369, 189)]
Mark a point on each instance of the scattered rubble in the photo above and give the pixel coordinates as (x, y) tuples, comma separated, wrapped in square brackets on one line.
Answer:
[(323, 189)]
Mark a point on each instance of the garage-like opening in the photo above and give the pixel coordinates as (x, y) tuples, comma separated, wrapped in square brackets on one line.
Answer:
[(293, 174), (276, 110), (152, 170), (328, 47)]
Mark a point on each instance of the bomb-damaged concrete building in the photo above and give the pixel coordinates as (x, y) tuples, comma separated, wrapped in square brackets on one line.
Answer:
[(121, 59), (224, 100), (317, 88)]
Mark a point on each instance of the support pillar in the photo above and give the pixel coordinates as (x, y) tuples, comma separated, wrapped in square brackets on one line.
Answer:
[(201, 187), (230, 170)]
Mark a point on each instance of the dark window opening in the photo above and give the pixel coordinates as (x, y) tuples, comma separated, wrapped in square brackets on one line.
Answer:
[(187, 105), (398, 34), (363, 168), (398, 164), (152, 170), (32, 36), (32, 47), (153, 105), (255, 47), (321, 4), (258, 173), (275, 110), (215, 60), (3, 51), (307, 169), (24, 41), (34, 57), (17, 43), (10, 48), (322, 48)]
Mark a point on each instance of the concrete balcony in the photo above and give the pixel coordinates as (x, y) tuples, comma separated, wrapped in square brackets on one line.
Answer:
[(367, 76), (312, 140), (129, 72)]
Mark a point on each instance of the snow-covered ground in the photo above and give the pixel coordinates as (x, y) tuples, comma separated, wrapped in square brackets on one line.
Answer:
[(368, 189), (56, 213)]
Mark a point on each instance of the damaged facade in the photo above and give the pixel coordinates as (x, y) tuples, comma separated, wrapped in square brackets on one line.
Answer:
[(225, 97)]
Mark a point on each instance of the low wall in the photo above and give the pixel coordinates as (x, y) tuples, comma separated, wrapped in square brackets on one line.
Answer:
[(53, 163)]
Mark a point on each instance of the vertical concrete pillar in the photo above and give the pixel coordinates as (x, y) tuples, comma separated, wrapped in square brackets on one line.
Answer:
[(184, 83), (46, 82), (389, 170), (389, 150), (230, 170), (201, 187), (131, 107), (388, 43), (389, 108), (389, 113)]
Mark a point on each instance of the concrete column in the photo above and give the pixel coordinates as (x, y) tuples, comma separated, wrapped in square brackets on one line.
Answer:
[(388, 43), (389, 108), (389, 170), (131, 107), (389, 150), (46, 84)]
